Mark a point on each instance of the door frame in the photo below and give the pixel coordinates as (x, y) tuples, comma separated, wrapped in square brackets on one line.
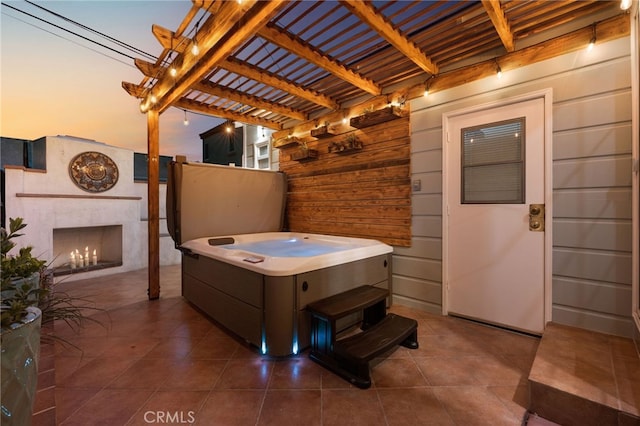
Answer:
[(547, 96), (635, 158)]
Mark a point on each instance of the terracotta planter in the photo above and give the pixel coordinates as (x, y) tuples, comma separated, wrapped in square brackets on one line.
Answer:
[(20, 349)]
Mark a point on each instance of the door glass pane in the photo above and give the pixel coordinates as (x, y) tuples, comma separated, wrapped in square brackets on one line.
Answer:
[(493, 163)]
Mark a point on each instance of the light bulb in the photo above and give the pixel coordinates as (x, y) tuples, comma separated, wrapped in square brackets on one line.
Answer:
[(186, 120), (173, 72), (499, 74), (426, 92), (344, 120), (195, 50), (625, 4)]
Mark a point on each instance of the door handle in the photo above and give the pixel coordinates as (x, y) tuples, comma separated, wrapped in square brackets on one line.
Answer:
[(536, 217)]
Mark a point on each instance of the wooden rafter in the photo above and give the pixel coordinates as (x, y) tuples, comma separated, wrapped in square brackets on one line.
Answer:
[(307, 52), (368, 14), (151, 70), (168, 40), (499, 20), (192, 105), (133, 89), (610, 29), (216, 41), (254, 101), (272, 80)]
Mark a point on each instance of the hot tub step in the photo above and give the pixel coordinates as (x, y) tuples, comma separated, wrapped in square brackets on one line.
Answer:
[(393, 330), (351, 355), (348, 302)]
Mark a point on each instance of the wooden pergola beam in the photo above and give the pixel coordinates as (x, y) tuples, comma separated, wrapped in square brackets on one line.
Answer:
[(133, 89), (500, 23), (169, 40), (254, 73), (370, 16), (152, 70), (607, 30), (218, 37), (252, 101), (191, 105), (308, 53)]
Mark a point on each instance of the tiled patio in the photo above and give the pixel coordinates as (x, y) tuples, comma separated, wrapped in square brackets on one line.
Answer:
[(164, 360)]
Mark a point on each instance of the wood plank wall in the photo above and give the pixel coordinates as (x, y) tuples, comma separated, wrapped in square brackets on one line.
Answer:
[(364, 193)]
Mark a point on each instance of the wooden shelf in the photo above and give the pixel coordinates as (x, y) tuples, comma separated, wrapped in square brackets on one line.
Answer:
[(376, 117), (345, 147), (322, 132), (304, 155), (286, 142)]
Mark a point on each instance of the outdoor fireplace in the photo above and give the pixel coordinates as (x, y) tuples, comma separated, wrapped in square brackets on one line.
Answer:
[(86, 248)]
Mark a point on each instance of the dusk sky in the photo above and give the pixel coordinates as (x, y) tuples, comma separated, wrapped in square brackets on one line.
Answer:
[(55, 83)]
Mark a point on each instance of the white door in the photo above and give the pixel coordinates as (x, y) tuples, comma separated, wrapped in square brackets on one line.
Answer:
[(494, 254)]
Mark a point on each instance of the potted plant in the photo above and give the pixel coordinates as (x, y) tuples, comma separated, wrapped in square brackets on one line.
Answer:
[(304, 153), (349, 144), (28, 302), (371, 117), (323, 131), (21, 321)]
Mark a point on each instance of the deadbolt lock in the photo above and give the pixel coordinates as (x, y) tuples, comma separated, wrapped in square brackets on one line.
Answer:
[(536, 217)]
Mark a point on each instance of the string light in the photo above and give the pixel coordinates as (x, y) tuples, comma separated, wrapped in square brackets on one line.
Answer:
[(186, 120), (498, 70), (195, 50), (172, 70), (427, 85), (592, 42)]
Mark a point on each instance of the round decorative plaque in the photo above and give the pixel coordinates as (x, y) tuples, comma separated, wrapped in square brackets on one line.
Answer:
[(93, 171)]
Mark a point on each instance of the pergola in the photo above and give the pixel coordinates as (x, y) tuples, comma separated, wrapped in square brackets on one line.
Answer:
[(291, 65)]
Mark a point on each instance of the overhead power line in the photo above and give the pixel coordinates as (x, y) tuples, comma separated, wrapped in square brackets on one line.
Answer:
[(75, 34), (106, 36)]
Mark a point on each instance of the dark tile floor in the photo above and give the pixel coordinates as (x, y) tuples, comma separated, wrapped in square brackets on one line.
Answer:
[(164, 362)]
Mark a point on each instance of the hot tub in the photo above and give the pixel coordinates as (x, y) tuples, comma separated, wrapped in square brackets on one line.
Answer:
[(257, 285), (285, 253), (243, 271)]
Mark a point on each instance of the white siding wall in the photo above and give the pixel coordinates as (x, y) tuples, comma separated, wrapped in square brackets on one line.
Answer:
[(591, 186)]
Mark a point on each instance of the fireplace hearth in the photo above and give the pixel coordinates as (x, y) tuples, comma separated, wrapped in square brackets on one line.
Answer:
[(86, 248)]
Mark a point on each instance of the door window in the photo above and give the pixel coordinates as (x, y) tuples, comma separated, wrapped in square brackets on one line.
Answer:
[(493, 163)]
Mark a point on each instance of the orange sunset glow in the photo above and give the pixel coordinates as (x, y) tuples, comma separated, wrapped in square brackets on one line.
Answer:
[(55, 82)]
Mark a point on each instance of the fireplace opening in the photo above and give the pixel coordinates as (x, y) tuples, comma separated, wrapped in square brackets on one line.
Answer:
[(86, 248)]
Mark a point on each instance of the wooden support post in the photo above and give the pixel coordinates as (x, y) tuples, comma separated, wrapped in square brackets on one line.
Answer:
[(153, 202)]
